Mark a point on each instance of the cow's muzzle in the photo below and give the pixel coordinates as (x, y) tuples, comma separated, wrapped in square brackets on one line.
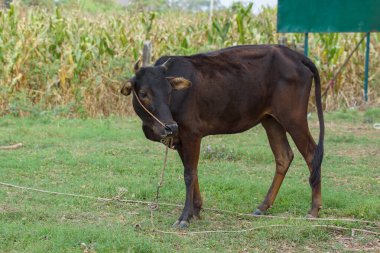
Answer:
[(171, 131)]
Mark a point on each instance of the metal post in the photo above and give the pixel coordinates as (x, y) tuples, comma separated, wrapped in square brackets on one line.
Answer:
[(211, 12), (366, 67), (147, 53), (306, 46)]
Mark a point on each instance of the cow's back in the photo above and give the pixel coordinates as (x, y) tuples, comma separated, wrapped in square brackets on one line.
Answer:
[(234, 88)]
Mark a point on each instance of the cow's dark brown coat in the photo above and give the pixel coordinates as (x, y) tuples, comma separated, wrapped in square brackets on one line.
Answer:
[(229, 91)]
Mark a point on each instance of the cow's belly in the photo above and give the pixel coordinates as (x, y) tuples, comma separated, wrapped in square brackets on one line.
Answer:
[(233, 129), (234, 117), (230, 105)]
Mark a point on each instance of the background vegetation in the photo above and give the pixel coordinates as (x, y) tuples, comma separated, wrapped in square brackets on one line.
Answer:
[(70, 58)]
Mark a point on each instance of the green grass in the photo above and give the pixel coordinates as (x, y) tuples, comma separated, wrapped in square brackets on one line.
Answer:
[(104, 157)]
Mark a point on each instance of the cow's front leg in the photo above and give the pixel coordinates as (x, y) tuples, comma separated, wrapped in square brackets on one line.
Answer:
[(189, 153)]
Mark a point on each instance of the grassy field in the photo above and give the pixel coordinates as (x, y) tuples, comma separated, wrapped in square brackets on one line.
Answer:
[(111, 158)]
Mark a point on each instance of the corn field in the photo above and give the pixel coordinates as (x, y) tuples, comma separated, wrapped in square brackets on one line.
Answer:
[(72, 63)]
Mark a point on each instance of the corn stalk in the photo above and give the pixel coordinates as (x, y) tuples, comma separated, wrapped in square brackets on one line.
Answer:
[(72, 62)]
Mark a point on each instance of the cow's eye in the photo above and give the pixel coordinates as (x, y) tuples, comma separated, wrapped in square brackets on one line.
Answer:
[(143, 93)]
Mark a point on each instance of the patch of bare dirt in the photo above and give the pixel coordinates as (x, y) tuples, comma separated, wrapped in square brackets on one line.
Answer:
[(358, 244), (359, 129), (358, 151), (4, 208)]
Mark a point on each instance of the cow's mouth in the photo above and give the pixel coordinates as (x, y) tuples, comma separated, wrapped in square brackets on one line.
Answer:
[(168, 142), (169, 138)]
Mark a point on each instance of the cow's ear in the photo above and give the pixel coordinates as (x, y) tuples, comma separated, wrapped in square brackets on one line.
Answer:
[(179, 83), (126, 89)]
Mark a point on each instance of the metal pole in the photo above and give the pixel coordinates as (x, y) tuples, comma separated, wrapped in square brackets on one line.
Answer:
[(366, 67), (147, 53), (306, 46)]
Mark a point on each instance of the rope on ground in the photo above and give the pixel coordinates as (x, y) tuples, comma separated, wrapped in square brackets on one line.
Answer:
[(353, 230), (11, 147), (177, 205)]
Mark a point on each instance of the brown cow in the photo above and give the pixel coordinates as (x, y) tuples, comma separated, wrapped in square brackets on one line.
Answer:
[(230, 91)]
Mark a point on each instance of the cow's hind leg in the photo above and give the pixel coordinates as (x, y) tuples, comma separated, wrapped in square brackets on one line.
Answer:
[(197, 199), (299, 131), (283, 155)]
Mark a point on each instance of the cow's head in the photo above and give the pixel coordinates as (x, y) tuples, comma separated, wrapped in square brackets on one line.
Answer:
[(153, 87)]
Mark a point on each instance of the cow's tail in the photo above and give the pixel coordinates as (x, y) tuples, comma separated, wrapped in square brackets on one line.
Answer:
[(315, 176)]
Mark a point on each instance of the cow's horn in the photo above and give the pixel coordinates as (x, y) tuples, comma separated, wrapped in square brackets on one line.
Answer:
[(137, 66), (165, 64)]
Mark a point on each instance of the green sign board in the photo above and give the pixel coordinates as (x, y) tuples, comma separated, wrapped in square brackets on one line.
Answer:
[(300, 16)]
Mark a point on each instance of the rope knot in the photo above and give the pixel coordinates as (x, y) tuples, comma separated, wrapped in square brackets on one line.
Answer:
[(168, 142), (153, 206)]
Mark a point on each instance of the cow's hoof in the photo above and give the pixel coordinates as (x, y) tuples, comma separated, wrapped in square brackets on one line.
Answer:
[(258, 212), (313, 213), (310, 216), (184, 224), (181, 224)]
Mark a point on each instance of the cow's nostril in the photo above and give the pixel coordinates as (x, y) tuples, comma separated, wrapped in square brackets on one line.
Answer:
[(171, 129), (168, 131)]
